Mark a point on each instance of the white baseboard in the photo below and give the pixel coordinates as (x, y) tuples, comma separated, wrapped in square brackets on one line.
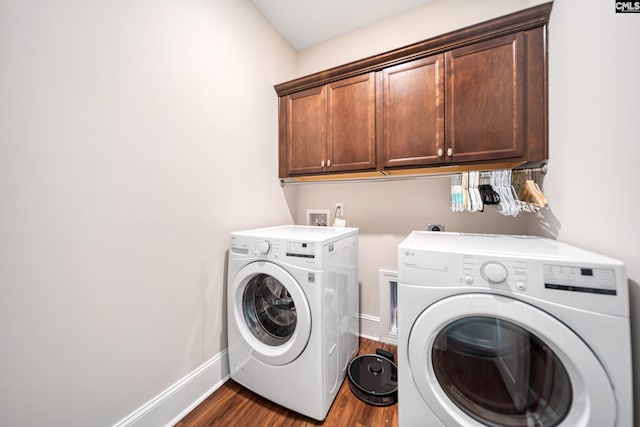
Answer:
[(370, 327), (174, 403)]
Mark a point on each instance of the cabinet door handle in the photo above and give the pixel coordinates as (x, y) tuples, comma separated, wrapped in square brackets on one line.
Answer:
[(439, 152), (328, 163), (322, 164), (449, 152)]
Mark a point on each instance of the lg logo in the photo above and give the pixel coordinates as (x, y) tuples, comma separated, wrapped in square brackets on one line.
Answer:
[(628, 7)]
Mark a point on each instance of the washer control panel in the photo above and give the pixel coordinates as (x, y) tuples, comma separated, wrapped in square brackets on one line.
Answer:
[(301, 249), (295, 252), (529, 268), (257, 247), (505, 273), (579, 279)]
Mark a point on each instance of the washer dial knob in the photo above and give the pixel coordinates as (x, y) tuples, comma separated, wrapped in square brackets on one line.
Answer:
[(494, 272), (264, 247)]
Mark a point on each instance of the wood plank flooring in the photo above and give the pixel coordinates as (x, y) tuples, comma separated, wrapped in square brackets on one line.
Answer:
[(233, 405)]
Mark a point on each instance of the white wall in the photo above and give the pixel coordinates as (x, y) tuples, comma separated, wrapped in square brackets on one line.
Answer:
[(134, 136)]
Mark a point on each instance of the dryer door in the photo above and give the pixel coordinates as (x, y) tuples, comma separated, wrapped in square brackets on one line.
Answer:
[(271, 312), (480, 359)]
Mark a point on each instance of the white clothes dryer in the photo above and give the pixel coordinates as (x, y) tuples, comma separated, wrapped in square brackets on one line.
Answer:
[(292, 313), (511, 331)]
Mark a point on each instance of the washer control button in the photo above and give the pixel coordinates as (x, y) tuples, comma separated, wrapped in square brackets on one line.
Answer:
[(494, 272), (521, 286), (264, 247), (468, 279)]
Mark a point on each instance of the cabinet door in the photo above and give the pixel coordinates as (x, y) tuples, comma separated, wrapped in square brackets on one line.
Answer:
[(485, 105), (305, 133), (413, 113), (351, 135)]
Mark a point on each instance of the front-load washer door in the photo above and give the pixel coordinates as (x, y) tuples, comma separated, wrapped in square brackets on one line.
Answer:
[(271, 312), (481, 359)]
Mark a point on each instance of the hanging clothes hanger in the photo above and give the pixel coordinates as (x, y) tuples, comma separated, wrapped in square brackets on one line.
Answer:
[(457, 199), (534, 195), (488, 195), (528, 190), (510, 191)]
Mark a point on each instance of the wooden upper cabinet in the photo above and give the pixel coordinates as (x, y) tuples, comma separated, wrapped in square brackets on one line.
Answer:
[(330, 128), (485, 100), (474, 96), (305, 142), (351, 118), (413, 113)]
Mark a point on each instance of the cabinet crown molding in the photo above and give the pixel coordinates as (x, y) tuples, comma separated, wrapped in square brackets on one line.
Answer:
[(525, 19)]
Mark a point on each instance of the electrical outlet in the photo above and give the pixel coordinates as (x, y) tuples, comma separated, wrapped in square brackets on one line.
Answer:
[(435, 227), (339, 210)]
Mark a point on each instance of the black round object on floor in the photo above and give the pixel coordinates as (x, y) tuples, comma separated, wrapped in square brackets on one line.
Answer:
[(373, 378)]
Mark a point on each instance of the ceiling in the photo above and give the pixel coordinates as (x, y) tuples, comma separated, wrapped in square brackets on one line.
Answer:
[(304, 23)]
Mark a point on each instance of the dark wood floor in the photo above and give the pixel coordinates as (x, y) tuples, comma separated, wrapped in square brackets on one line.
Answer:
[(233, 405)]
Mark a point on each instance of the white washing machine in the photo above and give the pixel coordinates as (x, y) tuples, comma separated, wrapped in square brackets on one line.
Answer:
[(292, 313), (511, 331)]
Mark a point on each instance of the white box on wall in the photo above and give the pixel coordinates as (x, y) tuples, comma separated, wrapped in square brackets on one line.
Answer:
[(388, 297)]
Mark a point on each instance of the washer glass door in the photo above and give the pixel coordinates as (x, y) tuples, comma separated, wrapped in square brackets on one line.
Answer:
[(271, 312), (483, 359), (501, 374)]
